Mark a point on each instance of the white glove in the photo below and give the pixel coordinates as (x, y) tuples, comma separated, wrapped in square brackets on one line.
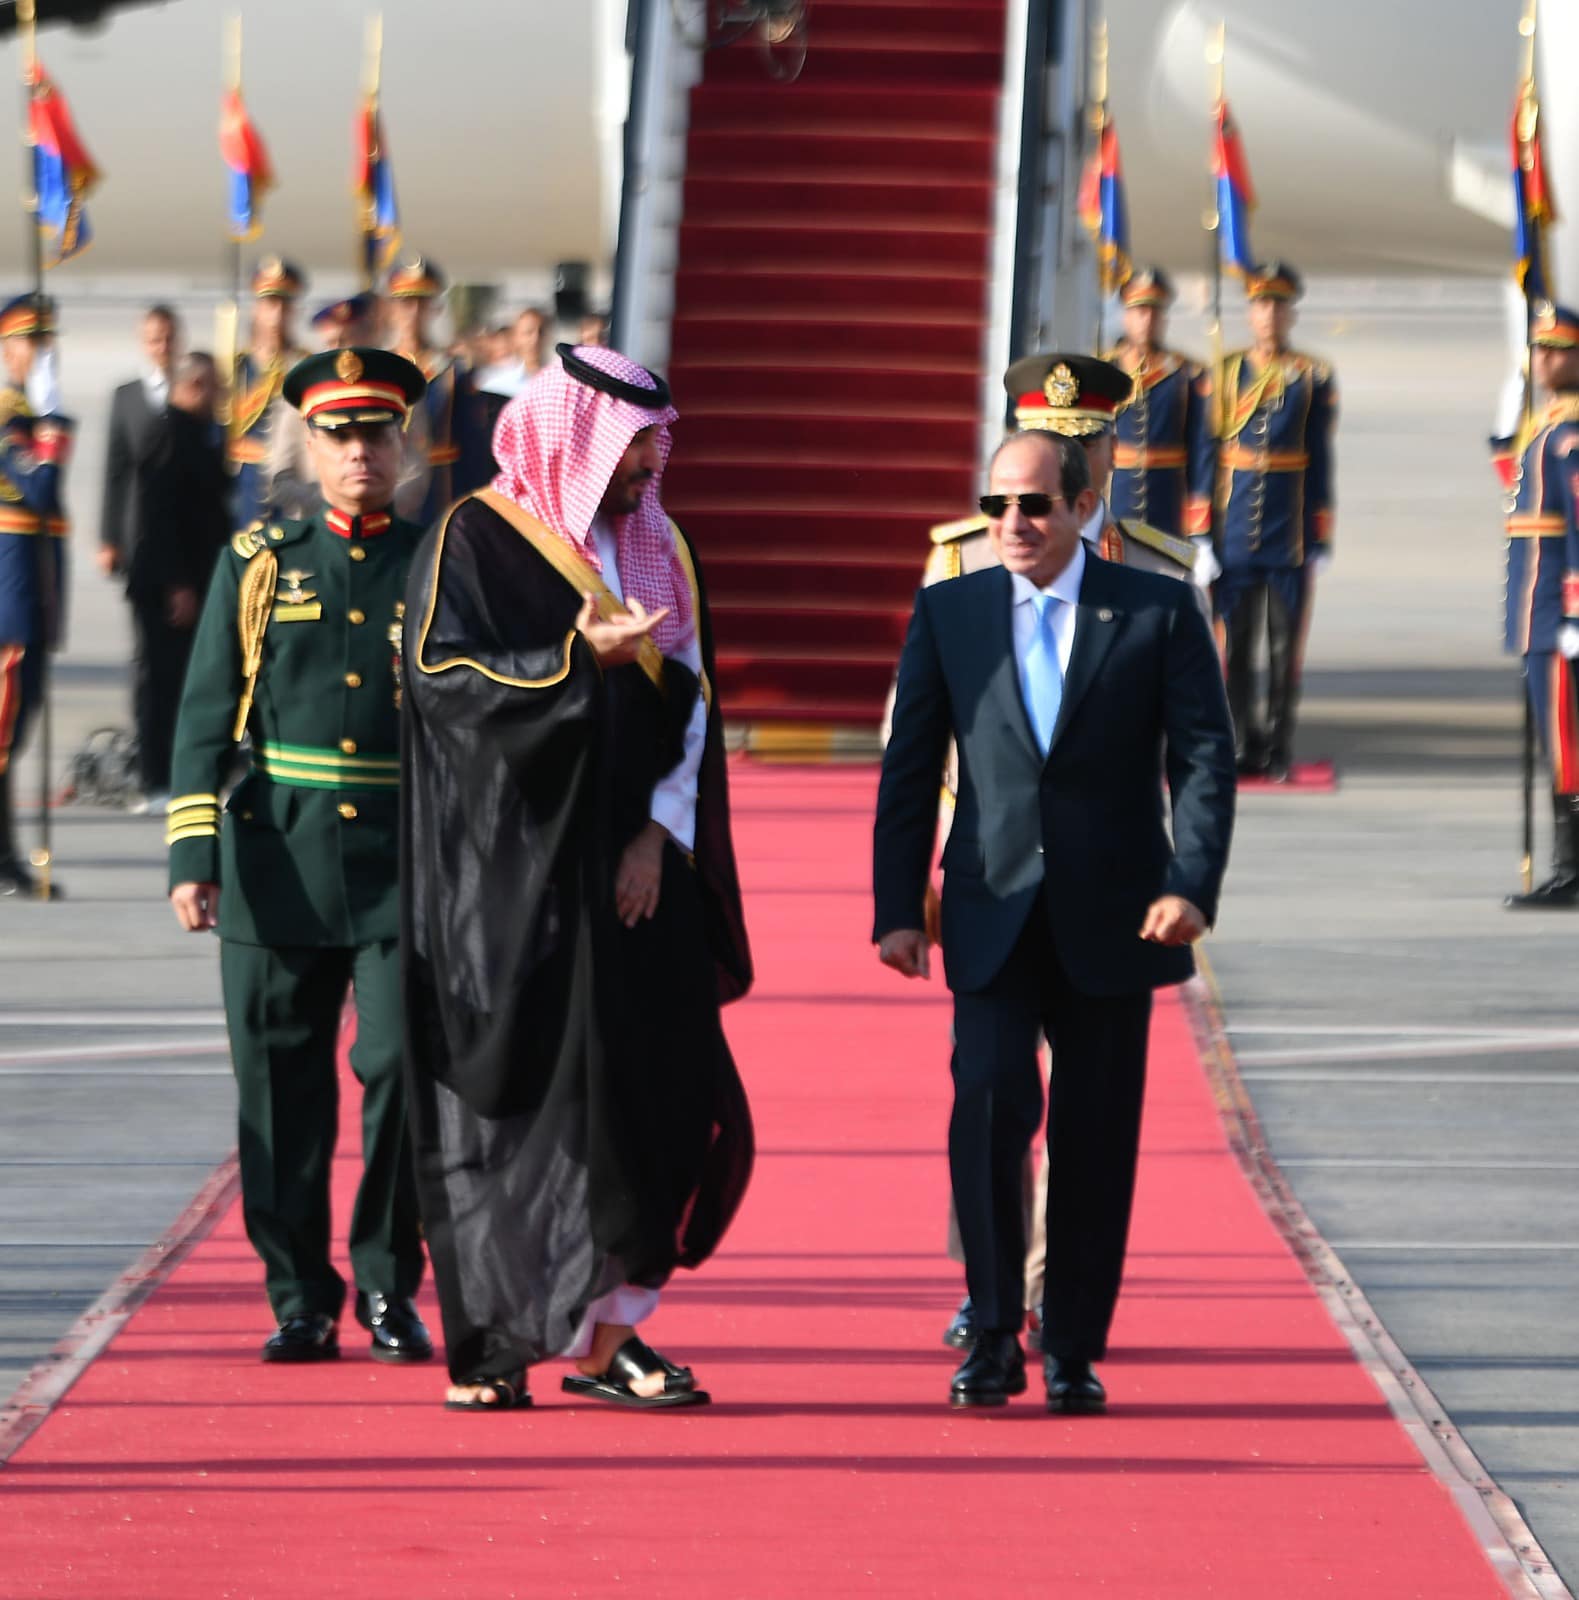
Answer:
[(1208, 569), (1568, 641), (43, 384), (1320, 562)]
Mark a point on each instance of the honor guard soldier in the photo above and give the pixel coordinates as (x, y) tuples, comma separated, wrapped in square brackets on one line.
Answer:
[(260, 371), (1080, 397), (33, 528), (1541, 612), (1164, 452), (299, 647), (458, 450), (1275, 506)]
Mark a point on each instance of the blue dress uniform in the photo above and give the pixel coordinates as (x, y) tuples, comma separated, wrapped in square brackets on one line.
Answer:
[(256, 388), (299, 645), (1274, 507), (1164, 452), (459, 448), (1542, 596), (33, 529)]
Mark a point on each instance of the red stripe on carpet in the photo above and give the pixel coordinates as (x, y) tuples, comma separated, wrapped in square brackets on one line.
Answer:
[(1247, 1451)]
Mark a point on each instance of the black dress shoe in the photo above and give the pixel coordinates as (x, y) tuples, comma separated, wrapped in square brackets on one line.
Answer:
[(1558, 893), (398, 1333), (1072, 1387), (959, 1333), (994, 1370), (309, 1337)]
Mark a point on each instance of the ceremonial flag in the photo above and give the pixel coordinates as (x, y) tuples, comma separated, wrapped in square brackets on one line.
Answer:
[(63, 176), (1532, 199), (1235, 198), (251, 175), (375, 187), (1104, 210)]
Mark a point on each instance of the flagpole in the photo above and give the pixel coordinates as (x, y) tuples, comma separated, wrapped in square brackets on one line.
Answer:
[(373, 83), (1099, 77), (1526, 418), (1216, 51), (43, 857), (228, 331)]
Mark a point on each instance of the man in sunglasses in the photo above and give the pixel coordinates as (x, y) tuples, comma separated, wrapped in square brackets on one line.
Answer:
[(1059, 675)]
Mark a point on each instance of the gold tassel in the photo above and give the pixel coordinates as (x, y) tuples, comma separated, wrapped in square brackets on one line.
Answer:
[(253, 603)]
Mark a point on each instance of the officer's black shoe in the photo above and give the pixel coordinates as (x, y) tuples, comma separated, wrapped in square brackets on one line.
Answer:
[(1278, 769), (959, 1333), (1252, 766), (1072, 1387), (992, 1372), (1559, 893), (309, 1337), (398, 1333)]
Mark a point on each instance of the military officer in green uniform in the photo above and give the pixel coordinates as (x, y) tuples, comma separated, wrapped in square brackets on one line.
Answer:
[(299, 646)]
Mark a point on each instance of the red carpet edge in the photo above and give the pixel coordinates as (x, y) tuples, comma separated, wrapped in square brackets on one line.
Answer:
[(51, 1380), (1495, 1521)]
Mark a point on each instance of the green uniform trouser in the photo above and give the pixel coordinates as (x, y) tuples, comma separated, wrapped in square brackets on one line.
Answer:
[(282, 1008)]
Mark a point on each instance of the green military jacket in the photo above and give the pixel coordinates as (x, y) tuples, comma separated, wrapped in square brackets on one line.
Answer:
[(307, 850)]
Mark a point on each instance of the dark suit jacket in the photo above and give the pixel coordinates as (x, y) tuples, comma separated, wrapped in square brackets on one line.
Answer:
[(182, 491), (131, 420), (1143, 696)]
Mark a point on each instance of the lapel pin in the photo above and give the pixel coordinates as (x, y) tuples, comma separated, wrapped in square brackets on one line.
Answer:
[(1104, 615)]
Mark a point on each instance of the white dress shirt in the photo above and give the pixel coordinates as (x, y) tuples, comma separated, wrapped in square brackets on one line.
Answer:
[(156, 385), (674, 795), (1065, 590), (503, 377)]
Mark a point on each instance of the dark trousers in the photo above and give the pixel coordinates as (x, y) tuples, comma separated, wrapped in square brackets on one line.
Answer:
[(1253, 604), (1093, 1136), (282, 1007), (159, 669)]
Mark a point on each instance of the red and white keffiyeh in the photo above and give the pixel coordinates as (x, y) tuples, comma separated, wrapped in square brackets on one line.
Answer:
[(557, 444)]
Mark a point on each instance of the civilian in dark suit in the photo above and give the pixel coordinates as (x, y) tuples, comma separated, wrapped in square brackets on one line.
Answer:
[(182, 493), (1070, 685)]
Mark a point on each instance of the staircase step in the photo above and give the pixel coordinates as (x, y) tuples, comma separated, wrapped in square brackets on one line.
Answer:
[(830, 438), (770, 289), (849, 343), (867, 111), (749, 577), (783, 243), (709, 385), (946, 157), (970, 27), (780, 680), (827, 538), (921, 203), (763, 626), (852, 486), (927, 61)]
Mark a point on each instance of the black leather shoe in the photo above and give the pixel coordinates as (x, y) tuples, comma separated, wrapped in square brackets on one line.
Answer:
[(310, 1337), (1559, 893), (994, 1370), (959, 1333), (398, 1333), (1072, 1387)]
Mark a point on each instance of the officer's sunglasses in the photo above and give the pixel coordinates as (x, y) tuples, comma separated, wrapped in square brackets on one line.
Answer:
[(1035, 504)]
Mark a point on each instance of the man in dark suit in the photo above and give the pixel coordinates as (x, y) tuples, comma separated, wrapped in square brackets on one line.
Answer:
[(183, 490), (136, 412), (1071, 687)]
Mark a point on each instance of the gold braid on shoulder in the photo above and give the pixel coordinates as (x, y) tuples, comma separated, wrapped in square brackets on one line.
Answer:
[(253, 601)]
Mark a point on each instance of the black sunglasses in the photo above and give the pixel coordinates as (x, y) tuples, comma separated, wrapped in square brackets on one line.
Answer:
[(1033, 505)]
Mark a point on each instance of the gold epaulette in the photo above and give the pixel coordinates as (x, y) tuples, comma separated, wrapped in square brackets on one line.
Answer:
[(948, 532), (249, 541), (1165, 544)]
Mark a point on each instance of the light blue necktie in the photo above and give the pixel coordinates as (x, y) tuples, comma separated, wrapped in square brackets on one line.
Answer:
[(1041, 677)]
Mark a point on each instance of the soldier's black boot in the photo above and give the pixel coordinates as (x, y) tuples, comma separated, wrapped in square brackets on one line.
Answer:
[(1560, 892), (16, 882)]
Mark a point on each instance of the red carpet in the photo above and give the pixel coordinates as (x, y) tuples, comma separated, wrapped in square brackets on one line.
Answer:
[(830, 306), (1247, 1452), (1305, 777)]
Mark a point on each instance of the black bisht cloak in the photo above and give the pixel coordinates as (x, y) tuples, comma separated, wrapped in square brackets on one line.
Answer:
[(577, 1119)]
